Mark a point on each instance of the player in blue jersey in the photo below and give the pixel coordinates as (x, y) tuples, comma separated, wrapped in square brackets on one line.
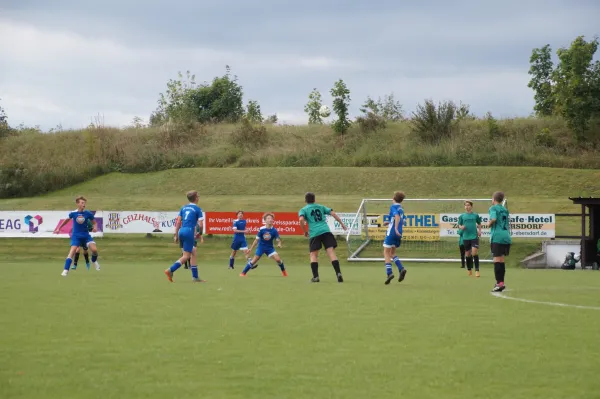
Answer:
[(187, 264), (393, 238), (239, 238), (265, 237), (80, 235), (85, 250), (189, 217)]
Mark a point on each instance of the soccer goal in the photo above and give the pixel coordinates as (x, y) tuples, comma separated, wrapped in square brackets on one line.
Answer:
[(430, 232)]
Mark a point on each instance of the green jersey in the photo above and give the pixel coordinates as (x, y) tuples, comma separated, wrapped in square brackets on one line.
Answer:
[(90, 225), (315, 216), (461, 241), (500, 231), (470, 221)]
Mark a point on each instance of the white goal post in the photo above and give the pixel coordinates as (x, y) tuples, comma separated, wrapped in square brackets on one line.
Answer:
[(430, 233)]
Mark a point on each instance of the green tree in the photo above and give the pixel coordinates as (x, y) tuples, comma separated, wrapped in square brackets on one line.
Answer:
[(541, 70), (341, 104), (577, 79), (387, 108), (221, 101), (4, 128), (433, 123), (253, 112), (175, 103), (313, 106), (184, 100), (271, 119)]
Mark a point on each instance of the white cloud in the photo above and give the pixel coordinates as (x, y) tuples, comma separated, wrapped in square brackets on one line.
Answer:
[(54, 76)]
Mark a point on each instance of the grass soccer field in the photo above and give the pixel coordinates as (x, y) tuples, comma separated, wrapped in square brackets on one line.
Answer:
[(127, 332)]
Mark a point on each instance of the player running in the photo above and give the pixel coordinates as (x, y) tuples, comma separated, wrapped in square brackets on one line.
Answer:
[(80, 236), (470, 224), (500, 238), (189, 217), (314, 216), (187, 265), (265, 237), (393, 238), (239, 238)]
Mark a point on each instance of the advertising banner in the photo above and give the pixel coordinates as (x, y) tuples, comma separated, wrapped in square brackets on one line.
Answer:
[(523, 225), (347, 218), (417, 227), (40, 224), (136, 222), (222, 222)]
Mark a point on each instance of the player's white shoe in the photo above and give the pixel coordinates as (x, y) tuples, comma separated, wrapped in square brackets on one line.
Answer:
[(64, 273), (97, 266)]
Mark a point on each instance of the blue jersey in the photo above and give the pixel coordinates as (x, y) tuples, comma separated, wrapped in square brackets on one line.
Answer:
[(80, 222), (190, 214), (239, 225), (266, 236), (396, 209)]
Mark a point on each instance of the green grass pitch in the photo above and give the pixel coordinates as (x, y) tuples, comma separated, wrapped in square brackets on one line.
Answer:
[(127, 332)]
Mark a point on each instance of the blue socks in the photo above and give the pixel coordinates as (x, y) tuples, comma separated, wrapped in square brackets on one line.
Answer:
[(175, 266), (68, 263), (94, 257), (231, 260), (388, 268), (247, 268), (194, 271), (398, 263), (281, 266)]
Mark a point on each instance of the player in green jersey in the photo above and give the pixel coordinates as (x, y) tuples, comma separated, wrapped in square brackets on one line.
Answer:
[(470, 224), (314, 216), (500, 238), (461, 248)]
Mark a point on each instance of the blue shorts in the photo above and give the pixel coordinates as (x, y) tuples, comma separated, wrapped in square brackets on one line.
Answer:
[(239, 243), (82, 241), (187, 239), (265, 251), (392, 241)]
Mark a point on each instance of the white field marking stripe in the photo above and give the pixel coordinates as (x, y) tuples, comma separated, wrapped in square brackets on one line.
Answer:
[(564, 305)]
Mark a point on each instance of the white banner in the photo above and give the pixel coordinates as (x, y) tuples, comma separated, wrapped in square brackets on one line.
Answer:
[(128, 222), (523, 225), (40, 224), (347, 218)]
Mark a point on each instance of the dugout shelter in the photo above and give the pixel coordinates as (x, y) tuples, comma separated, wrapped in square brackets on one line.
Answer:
[(590, 231)]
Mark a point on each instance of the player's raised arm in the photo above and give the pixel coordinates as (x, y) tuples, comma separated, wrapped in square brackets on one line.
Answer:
[(63, 224), (338, 219)]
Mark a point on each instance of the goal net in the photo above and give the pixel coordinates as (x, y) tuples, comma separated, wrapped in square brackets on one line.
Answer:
[(430, 232)]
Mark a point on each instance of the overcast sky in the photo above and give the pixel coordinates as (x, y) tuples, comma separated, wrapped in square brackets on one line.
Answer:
[(65, 61)]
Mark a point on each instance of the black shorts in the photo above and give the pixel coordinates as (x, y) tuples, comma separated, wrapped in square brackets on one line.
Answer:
[(326, 240), (500, 249), (85, 248), (469, 244)]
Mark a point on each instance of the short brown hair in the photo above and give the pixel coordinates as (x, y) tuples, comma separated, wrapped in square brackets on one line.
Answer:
[(268, 214), (192, 195), (309, 198), (399, 196), (81, 197), (498, 196), (238, 212), (468, 202)]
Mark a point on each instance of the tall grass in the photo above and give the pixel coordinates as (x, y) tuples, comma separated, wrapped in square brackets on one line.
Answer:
[(35, 163)]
